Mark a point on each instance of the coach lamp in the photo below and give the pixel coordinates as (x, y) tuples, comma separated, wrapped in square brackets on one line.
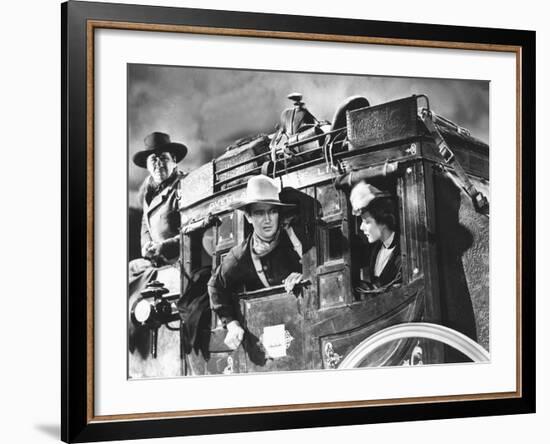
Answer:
[(153, 309)]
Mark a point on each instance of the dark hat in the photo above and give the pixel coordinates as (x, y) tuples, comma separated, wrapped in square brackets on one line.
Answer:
[(156, 143)]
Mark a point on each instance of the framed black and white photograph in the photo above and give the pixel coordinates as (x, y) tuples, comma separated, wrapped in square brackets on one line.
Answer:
[(285, 221), (327, 282)]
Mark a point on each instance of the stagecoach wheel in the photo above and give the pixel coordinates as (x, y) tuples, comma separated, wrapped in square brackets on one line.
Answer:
[(415, 333)]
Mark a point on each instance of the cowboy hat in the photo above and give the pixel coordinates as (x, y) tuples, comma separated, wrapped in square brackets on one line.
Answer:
[(260, 189), (363, 195), (156, 143)]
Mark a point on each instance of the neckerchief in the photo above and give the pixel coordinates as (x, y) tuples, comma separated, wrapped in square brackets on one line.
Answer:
[(261, 247)]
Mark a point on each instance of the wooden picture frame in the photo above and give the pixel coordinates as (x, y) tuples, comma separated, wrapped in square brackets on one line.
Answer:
[(80, 20)]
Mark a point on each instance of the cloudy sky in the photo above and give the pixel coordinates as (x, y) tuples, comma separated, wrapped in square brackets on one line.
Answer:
[(207, 108)]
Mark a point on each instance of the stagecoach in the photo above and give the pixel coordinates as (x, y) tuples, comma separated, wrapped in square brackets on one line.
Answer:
[(437, 312)]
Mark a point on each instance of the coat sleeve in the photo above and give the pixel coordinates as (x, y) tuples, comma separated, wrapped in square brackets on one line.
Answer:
[(222, 287), (145, 235), (170, 248)]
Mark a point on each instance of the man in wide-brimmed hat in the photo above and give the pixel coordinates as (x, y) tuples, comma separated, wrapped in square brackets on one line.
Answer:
[(161, 220), (270, 256), (160, 223), (379, 224)]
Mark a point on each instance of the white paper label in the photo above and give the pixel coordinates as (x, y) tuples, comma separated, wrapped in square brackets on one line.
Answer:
[(274, 341)]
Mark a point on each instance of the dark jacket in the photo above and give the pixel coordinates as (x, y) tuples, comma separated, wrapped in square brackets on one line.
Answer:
[(193, 307), (161, 219), (237, 273), (391, 269)]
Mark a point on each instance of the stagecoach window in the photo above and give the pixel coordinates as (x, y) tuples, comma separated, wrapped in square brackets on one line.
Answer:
[(226, 231), (334, 245), (198, 249), (329, 199), (365, 254)]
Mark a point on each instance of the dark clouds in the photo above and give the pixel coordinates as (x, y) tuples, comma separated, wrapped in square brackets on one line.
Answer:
[(208, 109)]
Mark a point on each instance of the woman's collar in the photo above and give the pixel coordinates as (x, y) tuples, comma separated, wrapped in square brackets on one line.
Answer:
[(389, 242)]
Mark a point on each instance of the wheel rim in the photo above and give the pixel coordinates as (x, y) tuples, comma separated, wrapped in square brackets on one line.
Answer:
[(423, 330)]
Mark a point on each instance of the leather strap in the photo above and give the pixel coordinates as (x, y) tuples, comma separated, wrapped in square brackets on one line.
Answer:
[(296, 244)]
